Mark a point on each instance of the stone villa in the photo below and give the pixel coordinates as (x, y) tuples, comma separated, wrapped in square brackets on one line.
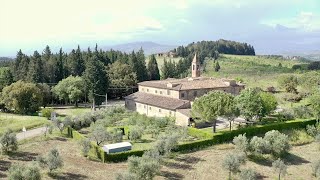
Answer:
[(173, 97)]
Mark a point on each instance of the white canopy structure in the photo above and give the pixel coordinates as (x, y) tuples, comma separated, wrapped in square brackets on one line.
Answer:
[(117, 147)]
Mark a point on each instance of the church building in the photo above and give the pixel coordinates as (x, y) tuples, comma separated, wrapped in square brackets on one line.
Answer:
[(174, 97)]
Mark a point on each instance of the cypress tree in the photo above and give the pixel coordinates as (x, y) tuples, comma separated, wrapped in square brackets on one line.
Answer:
[(96, 79), (153, 70), (217, 66)]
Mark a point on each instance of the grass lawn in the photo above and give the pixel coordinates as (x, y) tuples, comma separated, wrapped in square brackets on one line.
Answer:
[(17, 122), (75, 165), (71, 111)]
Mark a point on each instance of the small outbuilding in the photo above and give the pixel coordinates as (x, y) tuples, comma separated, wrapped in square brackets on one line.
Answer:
[(117, 147)]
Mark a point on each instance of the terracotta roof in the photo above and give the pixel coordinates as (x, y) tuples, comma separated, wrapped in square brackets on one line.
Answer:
[(186, 112), (159, 101), (191, 83)]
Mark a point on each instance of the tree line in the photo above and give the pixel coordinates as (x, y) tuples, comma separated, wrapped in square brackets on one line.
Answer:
[(213, 48), (82, 75)]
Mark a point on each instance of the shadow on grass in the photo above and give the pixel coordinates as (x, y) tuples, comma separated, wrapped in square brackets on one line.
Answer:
[(260, 159), (23, 156), (260, 176), (61, 139), (294, 159), (4, 166), (65, 176), (189, 159), (178, 165), (171, 175)]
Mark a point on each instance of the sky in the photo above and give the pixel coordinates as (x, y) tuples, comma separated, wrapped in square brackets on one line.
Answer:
[(271, 26)]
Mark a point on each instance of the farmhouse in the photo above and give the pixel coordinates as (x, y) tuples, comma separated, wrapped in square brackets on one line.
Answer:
[(174, 97)]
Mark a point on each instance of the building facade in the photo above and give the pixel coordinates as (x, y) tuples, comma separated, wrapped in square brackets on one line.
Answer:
[(174, 97)]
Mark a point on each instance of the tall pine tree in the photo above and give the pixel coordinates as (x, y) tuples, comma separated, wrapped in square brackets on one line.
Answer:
[(96, 79), (153, 70), (35, 73)]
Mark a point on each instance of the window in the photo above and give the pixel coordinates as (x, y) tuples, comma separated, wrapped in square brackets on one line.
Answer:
[(195, 93), (147, 90), (145, 106), (193, 67), (170, 112), (159, 110), (150, 108), (182, 95), (156, 91), (168, 92), (142, 89), (160, 92)]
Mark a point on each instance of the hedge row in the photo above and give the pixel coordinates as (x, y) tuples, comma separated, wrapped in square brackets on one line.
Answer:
[(96, 152), (207, 139), (122, 156), (227, 136)]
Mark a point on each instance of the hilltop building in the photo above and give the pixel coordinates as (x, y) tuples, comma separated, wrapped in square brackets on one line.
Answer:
[(174, 97)]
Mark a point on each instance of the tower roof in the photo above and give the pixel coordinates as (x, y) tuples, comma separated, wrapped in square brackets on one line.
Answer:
[(195, 59)]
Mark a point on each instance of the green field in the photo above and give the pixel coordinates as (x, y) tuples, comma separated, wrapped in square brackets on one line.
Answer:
[(17, 122), (253, 70)]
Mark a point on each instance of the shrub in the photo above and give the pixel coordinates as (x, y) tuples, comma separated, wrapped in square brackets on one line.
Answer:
[(241, 143), (125, 176), (248, 174), (286, 115), (279, 167), (23, 172), (276, 142), (313, 130), (302, 112), (143, 168), (165, 144), (135, 133), (85, 146), (59, 125), (257, 145), (46, 112), (8, 141)]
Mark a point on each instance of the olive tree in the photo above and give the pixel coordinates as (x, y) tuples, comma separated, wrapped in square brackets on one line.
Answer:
[(143, 168), (24, 172), (279, 167), (257, 145), (135, 133), (166, 143), (52, 161), (241, 142), (8, 141), (277, 143), (85, 146), (231, 163), (248, 174), (99, 134)]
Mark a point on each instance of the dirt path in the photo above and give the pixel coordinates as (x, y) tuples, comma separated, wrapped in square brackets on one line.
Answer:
[(30, 133)]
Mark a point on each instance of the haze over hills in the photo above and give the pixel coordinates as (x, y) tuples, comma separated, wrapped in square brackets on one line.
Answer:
[(149, 47)]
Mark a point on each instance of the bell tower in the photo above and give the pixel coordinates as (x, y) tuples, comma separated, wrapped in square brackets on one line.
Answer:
[(195, 66)]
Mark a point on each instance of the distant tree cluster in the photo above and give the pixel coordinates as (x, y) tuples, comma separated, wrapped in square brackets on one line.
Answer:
[(213, 48)]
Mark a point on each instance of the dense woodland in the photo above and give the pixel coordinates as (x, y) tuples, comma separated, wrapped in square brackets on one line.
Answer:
[(213, 48)]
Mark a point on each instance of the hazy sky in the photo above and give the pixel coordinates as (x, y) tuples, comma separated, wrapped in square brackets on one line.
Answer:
[(270, 25)]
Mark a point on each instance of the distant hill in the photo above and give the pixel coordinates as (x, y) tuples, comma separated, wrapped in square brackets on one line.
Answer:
[(148, 47)]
